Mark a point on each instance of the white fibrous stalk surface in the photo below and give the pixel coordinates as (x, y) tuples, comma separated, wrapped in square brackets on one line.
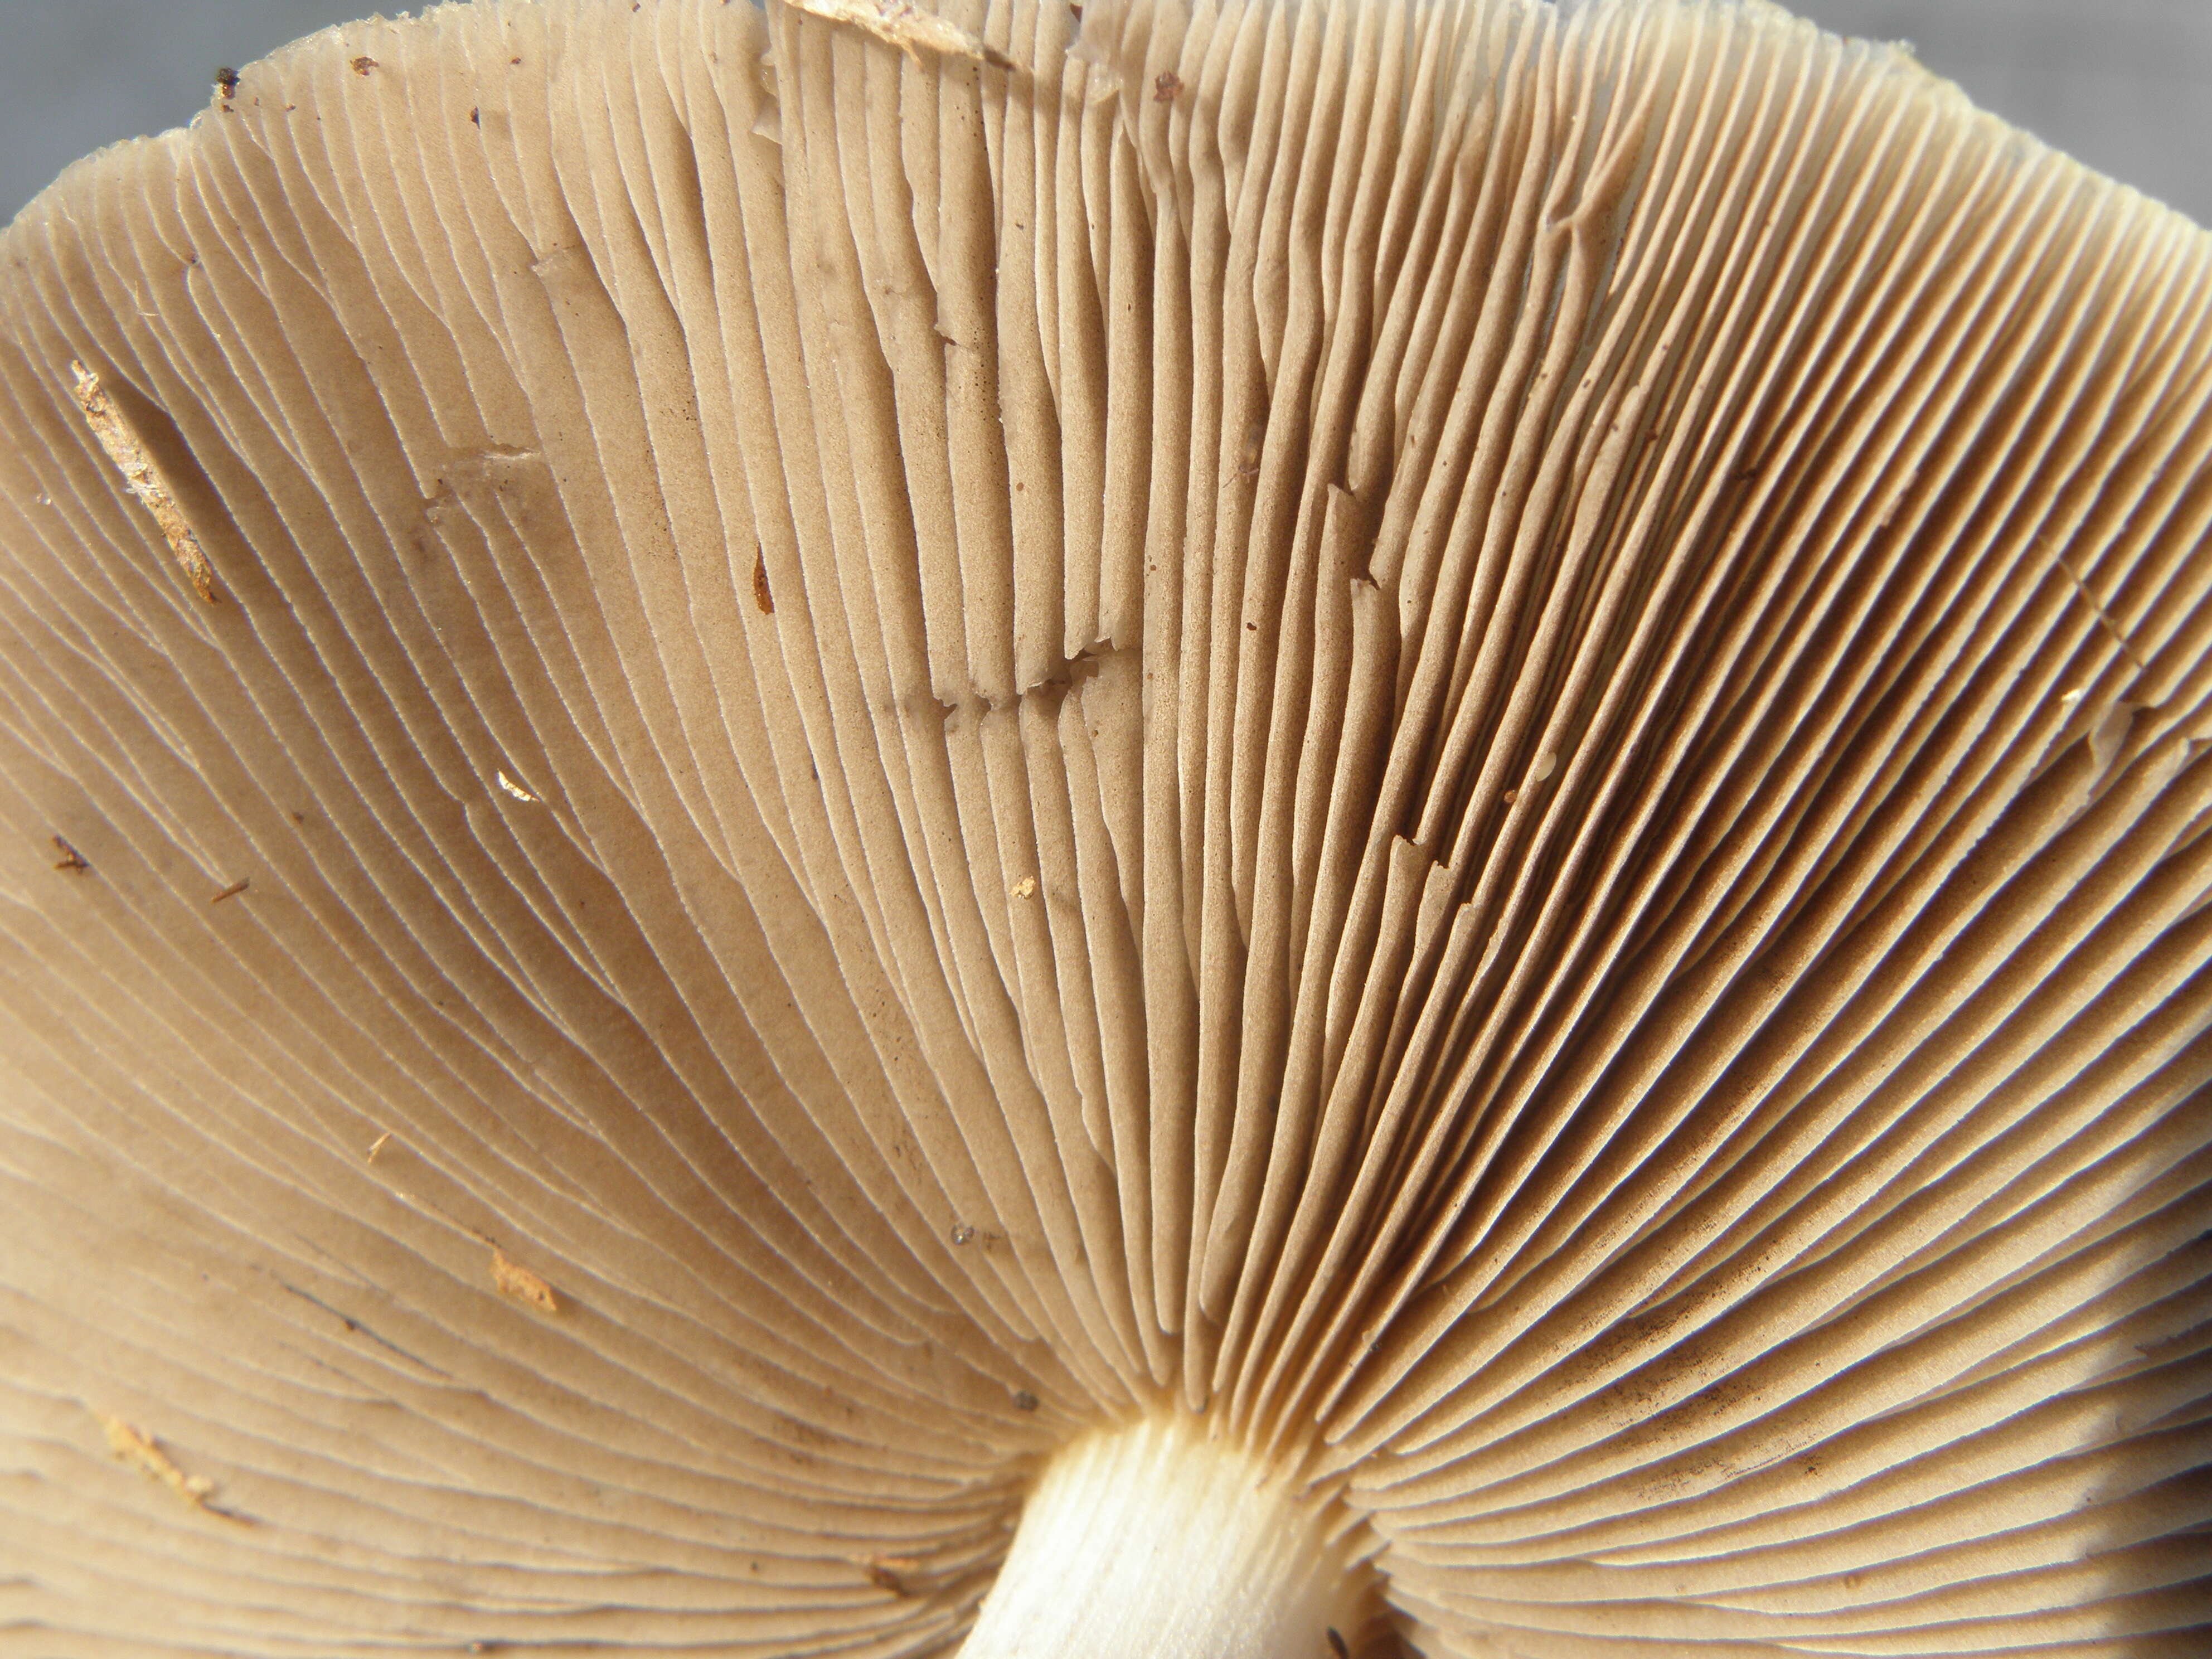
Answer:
[(1153, 1540)]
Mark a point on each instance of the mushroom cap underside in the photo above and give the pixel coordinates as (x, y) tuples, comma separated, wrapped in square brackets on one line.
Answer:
[(1469, 733)]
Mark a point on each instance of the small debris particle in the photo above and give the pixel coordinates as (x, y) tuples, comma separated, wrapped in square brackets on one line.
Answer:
[(515, 789), (1025, 1400), (894, 1573), (963, 1233), (521, 1284), (1336, 1645), (475, 118), (902, 25), (71, 861), (137, 1448), (1256, 443), (1025, 888), (513, 60), (142, 1450), (1165, 85), (1547, 763), (2075, 695), (2119, 635), (128, 451), (226, 82), (762, 597), (377, 1146), (1512, 795), (232, 892), (363, 65)]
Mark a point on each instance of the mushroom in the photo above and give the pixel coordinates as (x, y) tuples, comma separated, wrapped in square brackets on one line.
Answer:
[(1257, 831)]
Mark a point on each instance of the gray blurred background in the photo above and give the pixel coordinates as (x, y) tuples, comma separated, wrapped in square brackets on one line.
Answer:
[(2126, 85)]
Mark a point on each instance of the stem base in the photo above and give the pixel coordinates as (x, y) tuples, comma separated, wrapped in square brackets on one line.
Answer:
[(1155, 1542)]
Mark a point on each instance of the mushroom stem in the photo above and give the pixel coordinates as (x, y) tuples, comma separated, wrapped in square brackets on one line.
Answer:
[(1156, 1543)]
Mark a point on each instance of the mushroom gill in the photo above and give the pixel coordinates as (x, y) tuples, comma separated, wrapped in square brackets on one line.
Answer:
[(1361, 822)]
